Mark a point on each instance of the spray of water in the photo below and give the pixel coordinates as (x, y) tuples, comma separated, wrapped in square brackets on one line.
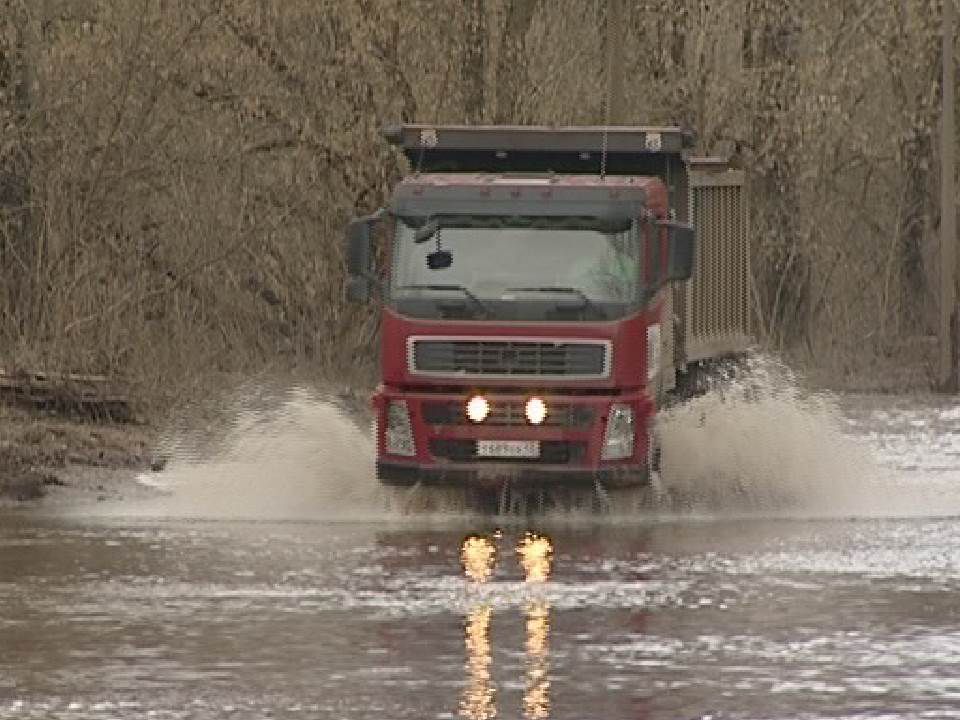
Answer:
[(297, 453), (758, 443), (755, 443)]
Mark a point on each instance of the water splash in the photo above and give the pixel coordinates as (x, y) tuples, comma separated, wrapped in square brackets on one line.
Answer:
[(754, 443), (759, 442), (294, 454)]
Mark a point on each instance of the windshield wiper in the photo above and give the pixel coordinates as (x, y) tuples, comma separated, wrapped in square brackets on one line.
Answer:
[(550, 289), (426, 231), (455, 288)]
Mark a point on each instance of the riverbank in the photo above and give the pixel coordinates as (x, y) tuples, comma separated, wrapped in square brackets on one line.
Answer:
[(68, 459)]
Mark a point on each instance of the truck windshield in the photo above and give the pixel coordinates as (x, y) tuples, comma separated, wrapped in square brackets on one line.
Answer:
[(520, 268)]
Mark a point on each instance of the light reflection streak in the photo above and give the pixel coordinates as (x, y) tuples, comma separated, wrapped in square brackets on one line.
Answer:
[(478, 555), (536, 558), (478, 702)]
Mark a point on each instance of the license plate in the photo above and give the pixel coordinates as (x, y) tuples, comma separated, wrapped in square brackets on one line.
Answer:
[(508, 448)]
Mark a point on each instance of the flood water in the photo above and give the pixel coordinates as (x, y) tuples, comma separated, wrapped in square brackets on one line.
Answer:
[(846, 607)]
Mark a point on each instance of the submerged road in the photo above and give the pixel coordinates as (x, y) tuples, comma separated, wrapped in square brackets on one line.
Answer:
[(671, 616), (754, 619)]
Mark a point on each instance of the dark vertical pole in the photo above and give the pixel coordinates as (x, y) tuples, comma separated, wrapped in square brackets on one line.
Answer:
[(615, 39), (948, 213), (27, 46), (473, 62)]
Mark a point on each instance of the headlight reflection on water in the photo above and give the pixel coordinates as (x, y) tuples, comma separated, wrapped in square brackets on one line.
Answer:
[(478, 555), (479, 697), (536, 697), (536, 558)]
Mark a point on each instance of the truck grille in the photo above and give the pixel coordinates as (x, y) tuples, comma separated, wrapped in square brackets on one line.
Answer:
[(510, 413), (509, 358)]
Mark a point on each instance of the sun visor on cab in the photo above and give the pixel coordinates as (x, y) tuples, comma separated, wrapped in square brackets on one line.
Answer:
[(520, 197)]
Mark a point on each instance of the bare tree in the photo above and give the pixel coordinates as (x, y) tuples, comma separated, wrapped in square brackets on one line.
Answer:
[(174, 177)]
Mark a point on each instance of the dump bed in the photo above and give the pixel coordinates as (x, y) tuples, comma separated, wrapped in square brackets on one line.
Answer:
[(714, 304), (529, 148), (710, 312)]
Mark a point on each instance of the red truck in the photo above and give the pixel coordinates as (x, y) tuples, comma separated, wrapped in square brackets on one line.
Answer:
[(537, 306)]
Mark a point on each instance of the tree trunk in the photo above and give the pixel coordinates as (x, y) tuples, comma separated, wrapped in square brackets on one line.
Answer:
[(18, 254), (785, 280), (918, 162), (512, 64), (615, 101), (473, 61)]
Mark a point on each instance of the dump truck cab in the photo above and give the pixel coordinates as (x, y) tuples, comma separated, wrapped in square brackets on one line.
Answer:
[(527, 281)]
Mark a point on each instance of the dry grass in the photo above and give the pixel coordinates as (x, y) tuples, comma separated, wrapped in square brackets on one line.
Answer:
[(176, 179), (907, 366)]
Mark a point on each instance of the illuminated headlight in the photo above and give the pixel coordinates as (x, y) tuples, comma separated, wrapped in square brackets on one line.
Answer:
[(618, 438), (478, 408), (536, 410), (399, 433)]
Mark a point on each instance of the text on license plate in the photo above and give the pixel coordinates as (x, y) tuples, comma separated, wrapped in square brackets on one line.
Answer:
[(508, 448)]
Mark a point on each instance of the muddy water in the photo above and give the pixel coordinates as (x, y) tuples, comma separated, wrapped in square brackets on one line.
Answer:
[(764, 586), (672, 620)]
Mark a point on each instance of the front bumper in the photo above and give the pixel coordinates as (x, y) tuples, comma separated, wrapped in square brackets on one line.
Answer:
[(571, 441), (492, 475)]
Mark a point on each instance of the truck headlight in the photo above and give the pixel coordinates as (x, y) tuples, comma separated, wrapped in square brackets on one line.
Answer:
[(399, 432), (478, 408), (618, 437), (536, 411)]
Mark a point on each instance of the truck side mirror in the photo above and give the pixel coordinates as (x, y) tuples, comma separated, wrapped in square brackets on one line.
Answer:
[(358, 248), (681, 244), (361, 279), (359, 289)]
